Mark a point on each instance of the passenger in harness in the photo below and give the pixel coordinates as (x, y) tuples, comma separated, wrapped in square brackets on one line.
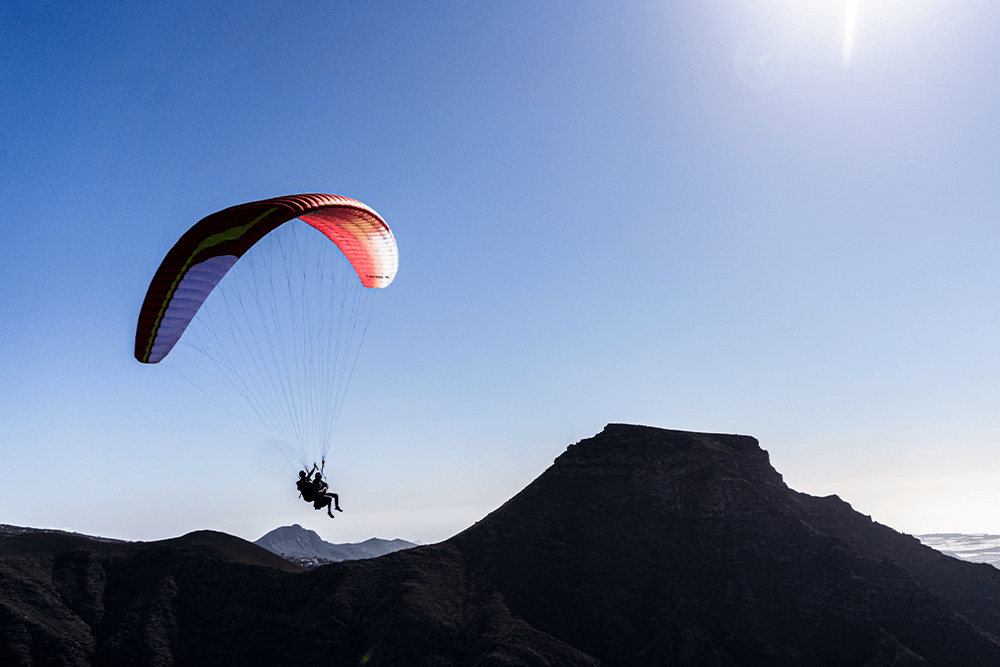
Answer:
[(324, 496), (315, 491)]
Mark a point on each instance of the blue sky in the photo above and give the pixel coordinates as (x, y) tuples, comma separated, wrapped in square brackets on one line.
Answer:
[(752, 216)]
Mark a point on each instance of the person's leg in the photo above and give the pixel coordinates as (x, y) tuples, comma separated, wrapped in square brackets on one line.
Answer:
[(336, 502), (325, 502)]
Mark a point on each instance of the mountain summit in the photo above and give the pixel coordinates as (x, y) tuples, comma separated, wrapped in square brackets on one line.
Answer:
[(639, 546), (652, 546)]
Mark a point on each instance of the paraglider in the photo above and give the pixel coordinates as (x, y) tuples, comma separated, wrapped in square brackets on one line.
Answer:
[(282, 326), (317, 492)]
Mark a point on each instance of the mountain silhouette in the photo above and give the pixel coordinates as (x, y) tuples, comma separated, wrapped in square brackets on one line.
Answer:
[(297, 542), (639, 546)]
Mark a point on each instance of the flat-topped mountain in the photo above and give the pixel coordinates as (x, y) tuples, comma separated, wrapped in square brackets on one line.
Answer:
[(639, 546)]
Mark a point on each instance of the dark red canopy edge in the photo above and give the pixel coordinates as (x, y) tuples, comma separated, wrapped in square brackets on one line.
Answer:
[(178, 261)]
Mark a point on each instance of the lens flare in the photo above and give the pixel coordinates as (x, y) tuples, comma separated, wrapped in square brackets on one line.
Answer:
[(760, 64)]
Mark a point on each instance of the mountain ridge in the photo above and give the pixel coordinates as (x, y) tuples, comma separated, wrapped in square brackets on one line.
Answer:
[(297, 542), (638, 546)]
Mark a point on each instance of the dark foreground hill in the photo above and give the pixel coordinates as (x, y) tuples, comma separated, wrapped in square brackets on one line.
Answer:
[(639, 546)]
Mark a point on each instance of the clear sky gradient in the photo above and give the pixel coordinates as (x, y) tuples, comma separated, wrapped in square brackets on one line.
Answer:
[(776, 218)]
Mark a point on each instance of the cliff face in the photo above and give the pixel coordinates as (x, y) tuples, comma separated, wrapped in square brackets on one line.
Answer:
[(639, 546)]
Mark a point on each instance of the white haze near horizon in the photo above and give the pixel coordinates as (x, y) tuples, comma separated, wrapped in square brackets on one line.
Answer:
[(980, 548)]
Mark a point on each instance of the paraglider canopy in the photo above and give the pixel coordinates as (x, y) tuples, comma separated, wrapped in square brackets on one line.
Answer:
[(206, 252)]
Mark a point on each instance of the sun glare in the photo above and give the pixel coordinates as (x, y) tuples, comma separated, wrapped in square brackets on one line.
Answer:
[(850, 21)]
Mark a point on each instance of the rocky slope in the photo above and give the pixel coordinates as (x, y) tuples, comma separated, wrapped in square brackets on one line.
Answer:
[(639, 546)]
